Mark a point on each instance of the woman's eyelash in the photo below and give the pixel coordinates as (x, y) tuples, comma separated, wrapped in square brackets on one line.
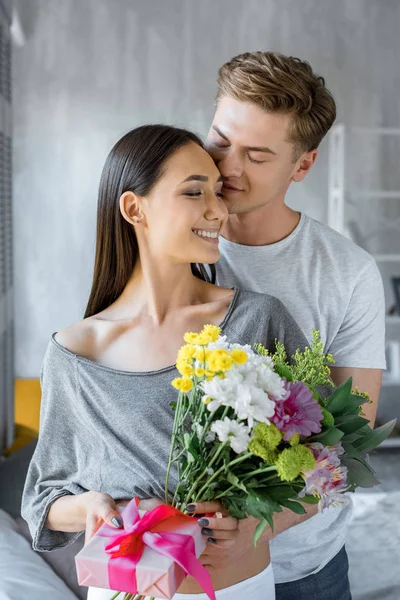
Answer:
[(194, 193), (219, 194)]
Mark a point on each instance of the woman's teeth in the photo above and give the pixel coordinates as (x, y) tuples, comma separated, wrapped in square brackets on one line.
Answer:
[(208, 234)]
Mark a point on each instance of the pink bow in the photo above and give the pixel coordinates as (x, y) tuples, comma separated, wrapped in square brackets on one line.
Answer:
[(126, 547)]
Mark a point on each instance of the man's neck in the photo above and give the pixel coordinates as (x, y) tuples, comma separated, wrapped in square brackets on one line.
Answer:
[(261, 227)]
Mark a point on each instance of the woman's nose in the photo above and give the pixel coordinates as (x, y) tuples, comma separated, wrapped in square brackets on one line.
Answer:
[(216, 209)]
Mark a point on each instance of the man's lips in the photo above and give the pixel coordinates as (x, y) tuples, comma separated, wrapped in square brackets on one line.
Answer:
[(228, 186)]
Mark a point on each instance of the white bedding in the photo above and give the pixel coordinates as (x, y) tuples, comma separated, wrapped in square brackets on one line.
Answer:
[(23, 574)]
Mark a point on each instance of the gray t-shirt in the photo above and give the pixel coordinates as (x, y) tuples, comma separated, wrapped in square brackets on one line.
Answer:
[(327, 283), (109, 430)]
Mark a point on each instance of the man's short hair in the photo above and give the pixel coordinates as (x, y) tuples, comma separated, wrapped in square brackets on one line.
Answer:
[(283, 85)]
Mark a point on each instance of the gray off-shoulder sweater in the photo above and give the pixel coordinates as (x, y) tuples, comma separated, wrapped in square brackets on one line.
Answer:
[(109, 430)]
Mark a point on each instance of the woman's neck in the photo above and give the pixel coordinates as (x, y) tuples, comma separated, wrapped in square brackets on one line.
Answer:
[(157, 290)]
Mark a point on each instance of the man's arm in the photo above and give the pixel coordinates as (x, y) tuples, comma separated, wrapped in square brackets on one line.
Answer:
[(366, 380)]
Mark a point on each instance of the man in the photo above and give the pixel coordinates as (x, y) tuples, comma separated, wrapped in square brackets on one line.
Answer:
[(271, 114)]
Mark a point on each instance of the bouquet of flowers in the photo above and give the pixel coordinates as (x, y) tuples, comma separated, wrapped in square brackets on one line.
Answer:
[(261, 432), (253, 430)]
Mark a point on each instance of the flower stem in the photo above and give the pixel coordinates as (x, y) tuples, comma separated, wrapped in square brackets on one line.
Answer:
[(171, 453), (237, 460), (214, 458)]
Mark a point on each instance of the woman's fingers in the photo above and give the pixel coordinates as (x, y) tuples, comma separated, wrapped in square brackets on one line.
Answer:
[(101, 508), (202, 508), (219, 534), (224, 523)]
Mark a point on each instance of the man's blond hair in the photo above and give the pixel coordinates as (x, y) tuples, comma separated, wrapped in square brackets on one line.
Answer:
[(284, 85)]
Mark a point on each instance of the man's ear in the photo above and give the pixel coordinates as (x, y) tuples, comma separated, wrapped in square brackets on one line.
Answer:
[(304, 164), (130, 206)]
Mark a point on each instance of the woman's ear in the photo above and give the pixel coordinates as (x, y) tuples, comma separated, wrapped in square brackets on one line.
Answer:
[(131, 208)]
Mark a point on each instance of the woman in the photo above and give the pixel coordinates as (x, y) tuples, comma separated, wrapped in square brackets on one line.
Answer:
[(106, 420)]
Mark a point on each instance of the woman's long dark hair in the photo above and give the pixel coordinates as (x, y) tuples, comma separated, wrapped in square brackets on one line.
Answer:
[(134, 164)]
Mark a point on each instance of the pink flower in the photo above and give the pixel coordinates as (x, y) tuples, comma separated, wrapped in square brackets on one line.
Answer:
[(328, 478), (299, 413)]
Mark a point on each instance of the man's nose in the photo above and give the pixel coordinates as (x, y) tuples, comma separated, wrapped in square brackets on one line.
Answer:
[(230, 165)]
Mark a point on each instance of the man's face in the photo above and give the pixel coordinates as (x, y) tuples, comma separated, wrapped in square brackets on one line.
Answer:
[(255, 158)]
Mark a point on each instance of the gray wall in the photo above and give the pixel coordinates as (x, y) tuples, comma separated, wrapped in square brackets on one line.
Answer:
[(92, 69)]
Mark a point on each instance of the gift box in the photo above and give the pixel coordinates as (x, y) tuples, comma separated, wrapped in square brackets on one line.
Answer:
[(150, 555)]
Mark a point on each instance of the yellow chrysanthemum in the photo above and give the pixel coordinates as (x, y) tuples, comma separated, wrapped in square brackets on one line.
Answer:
[(295, 439), (186, 352), (184, 368), (190, 337), (206, 400), (212, 331), (219, 360), (306, 457), (268, 435), (239, 356), (288, 464), (183, 384), (199, 372), (201, 354)]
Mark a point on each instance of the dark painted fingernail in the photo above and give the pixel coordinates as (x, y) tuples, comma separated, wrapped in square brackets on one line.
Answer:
[(212, 541), (117, 521), (206, 531), (203, 522), (190, 508)]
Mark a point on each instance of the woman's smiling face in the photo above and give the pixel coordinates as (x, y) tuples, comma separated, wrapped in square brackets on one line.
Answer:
[(184, 211)]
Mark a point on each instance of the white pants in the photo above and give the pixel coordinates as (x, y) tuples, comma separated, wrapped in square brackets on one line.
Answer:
[(259, 587)]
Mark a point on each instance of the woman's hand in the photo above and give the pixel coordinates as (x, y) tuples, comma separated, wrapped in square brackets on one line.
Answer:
[(220, 530), (101, 508)]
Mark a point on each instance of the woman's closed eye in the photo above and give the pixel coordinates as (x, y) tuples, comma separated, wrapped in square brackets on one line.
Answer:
[(194, 193)]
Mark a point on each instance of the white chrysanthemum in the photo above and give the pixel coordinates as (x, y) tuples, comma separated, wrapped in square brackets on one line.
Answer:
[(236, 433), (272, 383), (254, 404)]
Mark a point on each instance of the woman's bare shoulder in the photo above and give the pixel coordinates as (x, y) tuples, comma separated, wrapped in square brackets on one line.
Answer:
[(80, 338)]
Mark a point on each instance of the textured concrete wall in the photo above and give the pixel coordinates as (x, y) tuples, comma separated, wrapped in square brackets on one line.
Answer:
[(91, 69)]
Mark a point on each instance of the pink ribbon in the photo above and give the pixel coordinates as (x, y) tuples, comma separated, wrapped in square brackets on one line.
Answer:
[(126, 547)]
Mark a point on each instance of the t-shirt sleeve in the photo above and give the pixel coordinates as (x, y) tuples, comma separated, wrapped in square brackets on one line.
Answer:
[(360, 341), (54, 468)]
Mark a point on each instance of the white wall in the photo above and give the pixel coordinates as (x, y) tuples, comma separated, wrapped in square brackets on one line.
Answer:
[(93, 69)]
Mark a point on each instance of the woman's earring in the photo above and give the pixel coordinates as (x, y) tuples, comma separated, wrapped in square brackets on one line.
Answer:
[(137, 219)]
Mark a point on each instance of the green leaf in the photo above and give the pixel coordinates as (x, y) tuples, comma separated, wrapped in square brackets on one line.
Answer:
[(338, 400), (349, 450), (295, 507), (374, 437), (235, 506), (358, 473), (308, 499), (259, 529), (261, 508), (173, 404), (353, 403), (280, 492), (350, 423), (283, 371), (329, 437), (233, 480), (349, 438)]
